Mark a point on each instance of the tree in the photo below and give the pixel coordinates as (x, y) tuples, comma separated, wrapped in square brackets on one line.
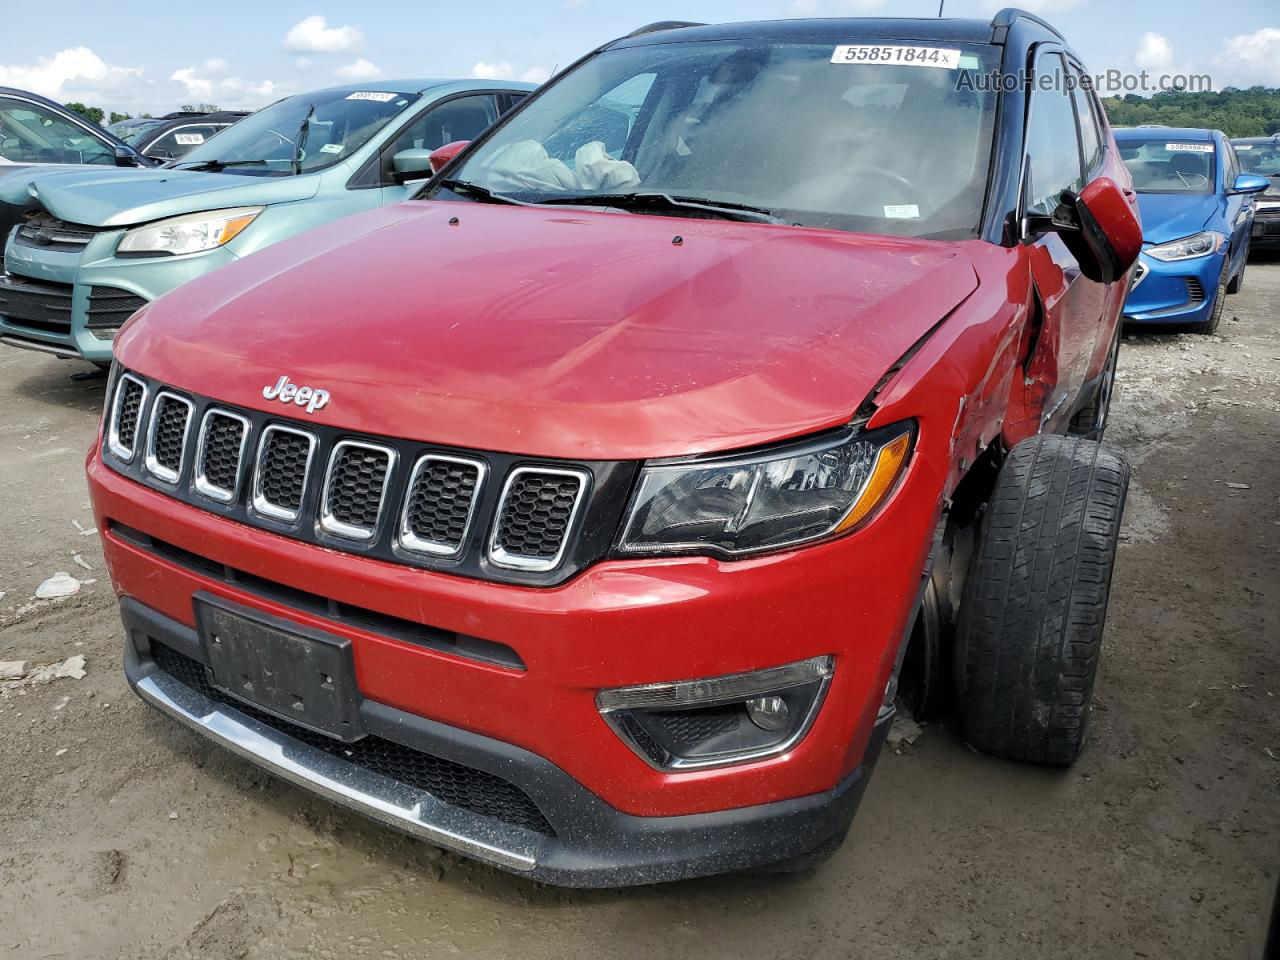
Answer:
[(117, 117), (199, 108), (93, 114), (1237, 113)]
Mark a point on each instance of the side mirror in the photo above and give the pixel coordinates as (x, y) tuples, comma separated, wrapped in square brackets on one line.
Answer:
[(1250, 183), (443, 156), (1099, 227), (128, 157), (410, 165)]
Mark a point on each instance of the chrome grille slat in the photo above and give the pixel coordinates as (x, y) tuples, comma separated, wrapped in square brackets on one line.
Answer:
[(535, 517), (220, 454), (126, 413), (439, 504), (281, 472), (167, 436), (355, 488)]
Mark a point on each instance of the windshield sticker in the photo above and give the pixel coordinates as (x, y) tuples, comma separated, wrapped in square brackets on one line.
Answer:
[(189, 139), (1189, 147), (373, 95), (897, 55), (1244, 146), (902, 211), (333, 148)]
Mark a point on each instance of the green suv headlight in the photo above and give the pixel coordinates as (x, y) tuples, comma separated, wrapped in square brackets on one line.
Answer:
[(782, 497), (192, 233)]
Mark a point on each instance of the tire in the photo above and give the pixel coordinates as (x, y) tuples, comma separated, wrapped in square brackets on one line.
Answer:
[(1219, 303), (1035, 601), (1237, 282), (1090, 420)]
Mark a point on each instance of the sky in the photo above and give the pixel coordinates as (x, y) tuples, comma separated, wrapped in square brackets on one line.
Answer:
[(153, 57)]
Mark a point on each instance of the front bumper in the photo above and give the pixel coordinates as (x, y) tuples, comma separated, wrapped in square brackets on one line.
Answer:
[(1174, 293), (589, 843), (69, 280), (1266, 230)]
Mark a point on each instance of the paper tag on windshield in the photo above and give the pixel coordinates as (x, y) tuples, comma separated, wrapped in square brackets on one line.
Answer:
[(373, 95), (1244, 146), (188, 139), (902, 211), (1189, 147), (333, 148), (897, 55)]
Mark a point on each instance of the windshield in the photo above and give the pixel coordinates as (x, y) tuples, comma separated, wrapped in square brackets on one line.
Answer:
[(1165, 166), (131, 131), (300, 135), (1262, 159), (886, 140)]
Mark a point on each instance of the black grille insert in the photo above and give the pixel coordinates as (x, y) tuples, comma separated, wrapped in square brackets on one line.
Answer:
[(168, 435), (109, 307), (1195, 290), (354, 490), (454, 783), (535, 516), (438, 511), (49, 232), (128, 411), (220, 452), (36, 304), (282, 471)]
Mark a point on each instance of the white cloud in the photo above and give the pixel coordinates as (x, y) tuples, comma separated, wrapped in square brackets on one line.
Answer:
[(1154, 52), (69, 74), (505, 71), (197, 86), (361, 69), (314, 35), (819, 8), (208, 83), (1247, 59)]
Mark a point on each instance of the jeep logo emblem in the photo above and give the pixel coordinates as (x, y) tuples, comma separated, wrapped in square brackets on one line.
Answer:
[(310, 398)]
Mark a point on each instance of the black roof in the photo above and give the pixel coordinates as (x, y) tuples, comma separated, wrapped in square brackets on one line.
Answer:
[(837, 29)]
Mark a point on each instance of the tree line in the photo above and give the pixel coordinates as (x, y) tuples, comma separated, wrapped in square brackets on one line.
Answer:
[(1254, 112)]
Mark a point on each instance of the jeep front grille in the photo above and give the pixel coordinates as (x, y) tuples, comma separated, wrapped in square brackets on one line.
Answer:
[(396, 500), (282, 471), (355, 489), (167, 440), (534, 517)]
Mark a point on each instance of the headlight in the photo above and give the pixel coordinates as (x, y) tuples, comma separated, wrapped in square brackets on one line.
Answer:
[(741, 505), (1188, 248), (188, 234)]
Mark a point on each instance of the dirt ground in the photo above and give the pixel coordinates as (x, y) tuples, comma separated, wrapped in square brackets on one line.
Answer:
[(124, 836)]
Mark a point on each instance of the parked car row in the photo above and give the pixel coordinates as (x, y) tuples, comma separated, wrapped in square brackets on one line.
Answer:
[(175, 134), (594, 510), (99, 244)]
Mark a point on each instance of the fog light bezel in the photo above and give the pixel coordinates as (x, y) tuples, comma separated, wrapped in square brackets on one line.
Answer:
[(618, 703)]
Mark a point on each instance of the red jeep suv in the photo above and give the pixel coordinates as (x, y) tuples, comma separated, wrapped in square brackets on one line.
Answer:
[(592, 513)]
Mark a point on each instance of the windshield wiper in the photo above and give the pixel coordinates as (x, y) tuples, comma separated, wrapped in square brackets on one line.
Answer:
[(469, 189), (216, 165), (664, 201), (302, 135)]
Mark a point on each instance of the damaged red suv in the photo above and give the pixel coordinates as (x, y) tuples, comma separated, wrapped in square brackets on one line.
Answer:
[(592, 513)]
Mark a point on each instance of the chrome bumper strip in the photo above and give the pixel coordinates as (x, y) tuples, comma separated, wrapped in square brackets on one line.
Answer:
[(407, 808)]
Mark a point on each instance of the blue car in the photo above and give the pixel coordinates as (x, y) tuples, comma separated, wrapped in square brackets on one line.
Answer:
[(1197, 211)]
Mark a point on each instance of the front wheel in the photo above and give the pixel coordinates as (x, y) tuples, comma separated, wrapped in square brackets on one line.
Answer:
[(1210, 325), (1090, 420), (1030, 625)]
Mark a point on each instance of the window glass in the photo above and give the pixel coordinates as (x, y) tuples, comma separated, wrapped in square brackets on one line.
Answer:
[(1260, 158), (181, 140), (1090, 136), (463, 118), (1169, 166), (1053, 146), (30, 133), (892, 146)]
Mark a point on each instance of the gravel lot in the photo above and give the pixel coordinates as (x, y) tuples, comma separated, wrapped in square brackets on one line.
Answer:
[(125, 836)]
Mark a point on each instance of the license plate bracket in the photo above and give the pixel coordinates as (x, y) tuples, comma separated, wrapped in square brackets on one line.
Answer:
[(291, 671)]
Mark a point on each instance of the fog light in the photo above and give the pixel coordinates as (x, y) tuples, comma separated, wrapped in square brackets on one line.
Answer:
[(769, 713), (717, 721)]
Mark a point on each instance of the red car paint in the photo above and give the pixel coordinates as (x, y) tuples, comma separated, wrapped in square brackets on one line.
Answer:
[(591, 335)]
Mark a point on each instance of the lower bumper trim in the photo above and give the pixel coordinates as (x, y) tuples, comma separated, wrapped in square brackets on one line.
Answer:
[(21, 343), (407, 808)]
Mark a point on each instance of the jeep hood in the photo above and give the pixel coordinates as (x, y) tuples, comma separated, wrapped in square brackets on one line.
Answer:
[(1172, 216), (556, 332), (117, 197)]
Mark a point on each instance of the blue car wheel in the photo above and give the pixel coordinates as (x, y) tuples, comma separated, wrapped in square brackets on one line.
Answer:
[(1210, 324)]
